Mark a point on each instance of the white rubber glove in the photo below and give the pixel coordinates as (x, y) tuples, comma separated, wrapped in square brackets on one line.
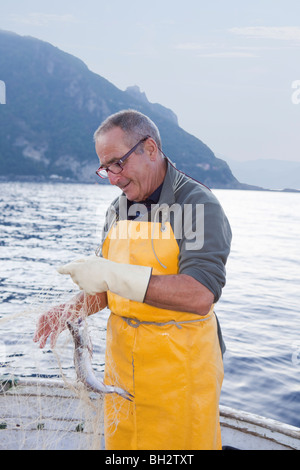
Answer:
[(95, 274)]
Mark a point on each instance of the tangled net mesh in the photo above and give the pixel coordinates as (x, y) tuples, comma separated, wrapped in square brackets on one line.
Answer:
[(50, 410)]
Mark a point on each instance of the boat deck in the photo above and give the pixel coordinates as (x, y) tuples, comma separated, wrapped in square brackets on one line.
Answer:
[(41, 414)]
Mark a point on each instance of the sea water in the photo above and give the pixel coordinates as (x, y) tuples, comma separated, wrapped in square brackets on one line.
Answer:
[(46, 225)]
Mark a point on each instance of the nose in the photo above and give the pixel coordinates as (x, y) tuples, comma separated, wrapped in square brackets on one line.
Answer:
[(114, 178)]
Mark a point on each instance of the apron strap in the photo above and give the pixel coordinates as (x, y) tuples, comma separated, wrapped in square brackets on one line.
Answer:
[(136, 323)]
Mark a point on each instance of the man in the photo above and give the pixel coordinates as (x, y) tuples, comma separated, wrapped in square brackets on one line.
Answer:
[(161, 270)]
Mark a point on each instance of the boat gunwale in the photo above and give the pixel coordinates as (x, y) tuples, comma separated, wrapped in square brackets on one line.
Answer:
[(261, 421), (241, 421)]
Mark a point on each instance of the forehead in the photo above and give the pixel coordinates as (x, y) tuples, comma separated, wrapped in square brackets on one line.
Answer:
[(111, 146)]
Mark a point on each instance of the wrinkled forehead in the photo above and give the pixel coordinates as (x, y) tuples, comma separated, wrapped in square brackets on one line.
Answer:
[(111, 146)]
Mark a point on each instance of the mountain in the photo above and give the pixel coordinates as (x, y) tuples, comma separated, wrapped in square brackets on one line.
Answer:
[(54, 103), (268, 173)]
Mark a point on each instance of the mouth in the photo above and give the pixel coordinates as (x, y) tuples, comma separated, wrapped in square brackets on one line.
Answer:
[(124, 186)]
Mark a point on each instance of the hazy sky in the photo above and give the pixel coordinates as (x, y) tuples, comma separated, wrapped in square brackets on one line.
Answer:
[(225, 67)]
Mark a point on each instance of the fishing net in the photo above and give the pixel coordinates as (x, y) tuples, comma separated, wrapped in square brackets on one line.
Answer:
[(43, 226), (50, 410)]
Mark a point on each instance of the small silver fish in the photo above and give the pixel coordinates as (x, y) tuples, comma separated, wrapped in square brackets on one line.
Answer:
[(82, 361)]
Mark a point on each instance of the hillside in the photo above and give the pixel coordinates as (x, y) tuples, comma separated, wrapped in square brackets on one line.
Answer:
[(54, 103)]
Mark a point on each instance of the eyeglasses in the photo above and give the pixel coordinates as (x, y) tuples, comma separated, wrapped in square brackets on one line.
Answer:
[(117, 167)]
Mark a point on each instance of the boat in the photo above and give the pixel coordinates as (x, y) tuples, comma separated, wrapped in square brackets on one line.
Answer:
[(242, 430), (48, 414)]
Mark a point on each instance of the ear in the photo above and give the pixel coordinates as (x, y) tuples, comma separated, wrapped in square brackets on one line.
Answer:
[(151, 149)]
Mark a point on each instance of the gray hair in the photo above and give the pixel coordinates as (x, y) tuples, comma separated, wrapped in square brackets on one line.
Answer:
[(135, 124)]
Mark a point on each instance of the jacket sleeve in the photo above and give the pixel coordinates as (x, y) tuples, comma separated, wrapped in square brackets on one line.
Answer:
[(205, 258)]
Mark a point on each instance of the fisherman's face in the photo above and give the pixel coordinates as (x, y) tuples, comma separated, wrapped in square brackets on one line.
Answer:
[(140, 174)]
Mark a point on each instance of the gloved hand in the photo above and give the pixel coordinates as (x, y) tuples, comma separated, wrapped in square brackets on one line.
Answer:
[(95, 274)]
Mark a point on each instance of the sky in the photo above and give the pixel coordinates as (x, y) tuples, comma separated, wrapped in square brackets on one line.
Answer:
[(229, 69)]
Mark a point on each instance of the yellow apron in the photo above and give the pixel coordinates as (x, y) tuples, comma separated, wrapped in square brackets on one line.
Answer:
[(170, 361)]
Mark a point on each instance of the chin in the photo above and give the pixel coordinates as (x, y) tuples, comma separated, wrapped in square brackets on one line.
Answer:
[(131, 194)]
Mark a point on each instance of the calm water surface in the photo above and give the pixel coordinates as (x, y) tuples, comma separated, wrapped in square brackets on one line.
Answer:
[(45, 225)]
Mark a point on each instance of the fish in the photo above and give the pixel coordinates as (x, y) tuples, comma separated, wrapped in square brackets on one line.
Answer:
[(82, 361)]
